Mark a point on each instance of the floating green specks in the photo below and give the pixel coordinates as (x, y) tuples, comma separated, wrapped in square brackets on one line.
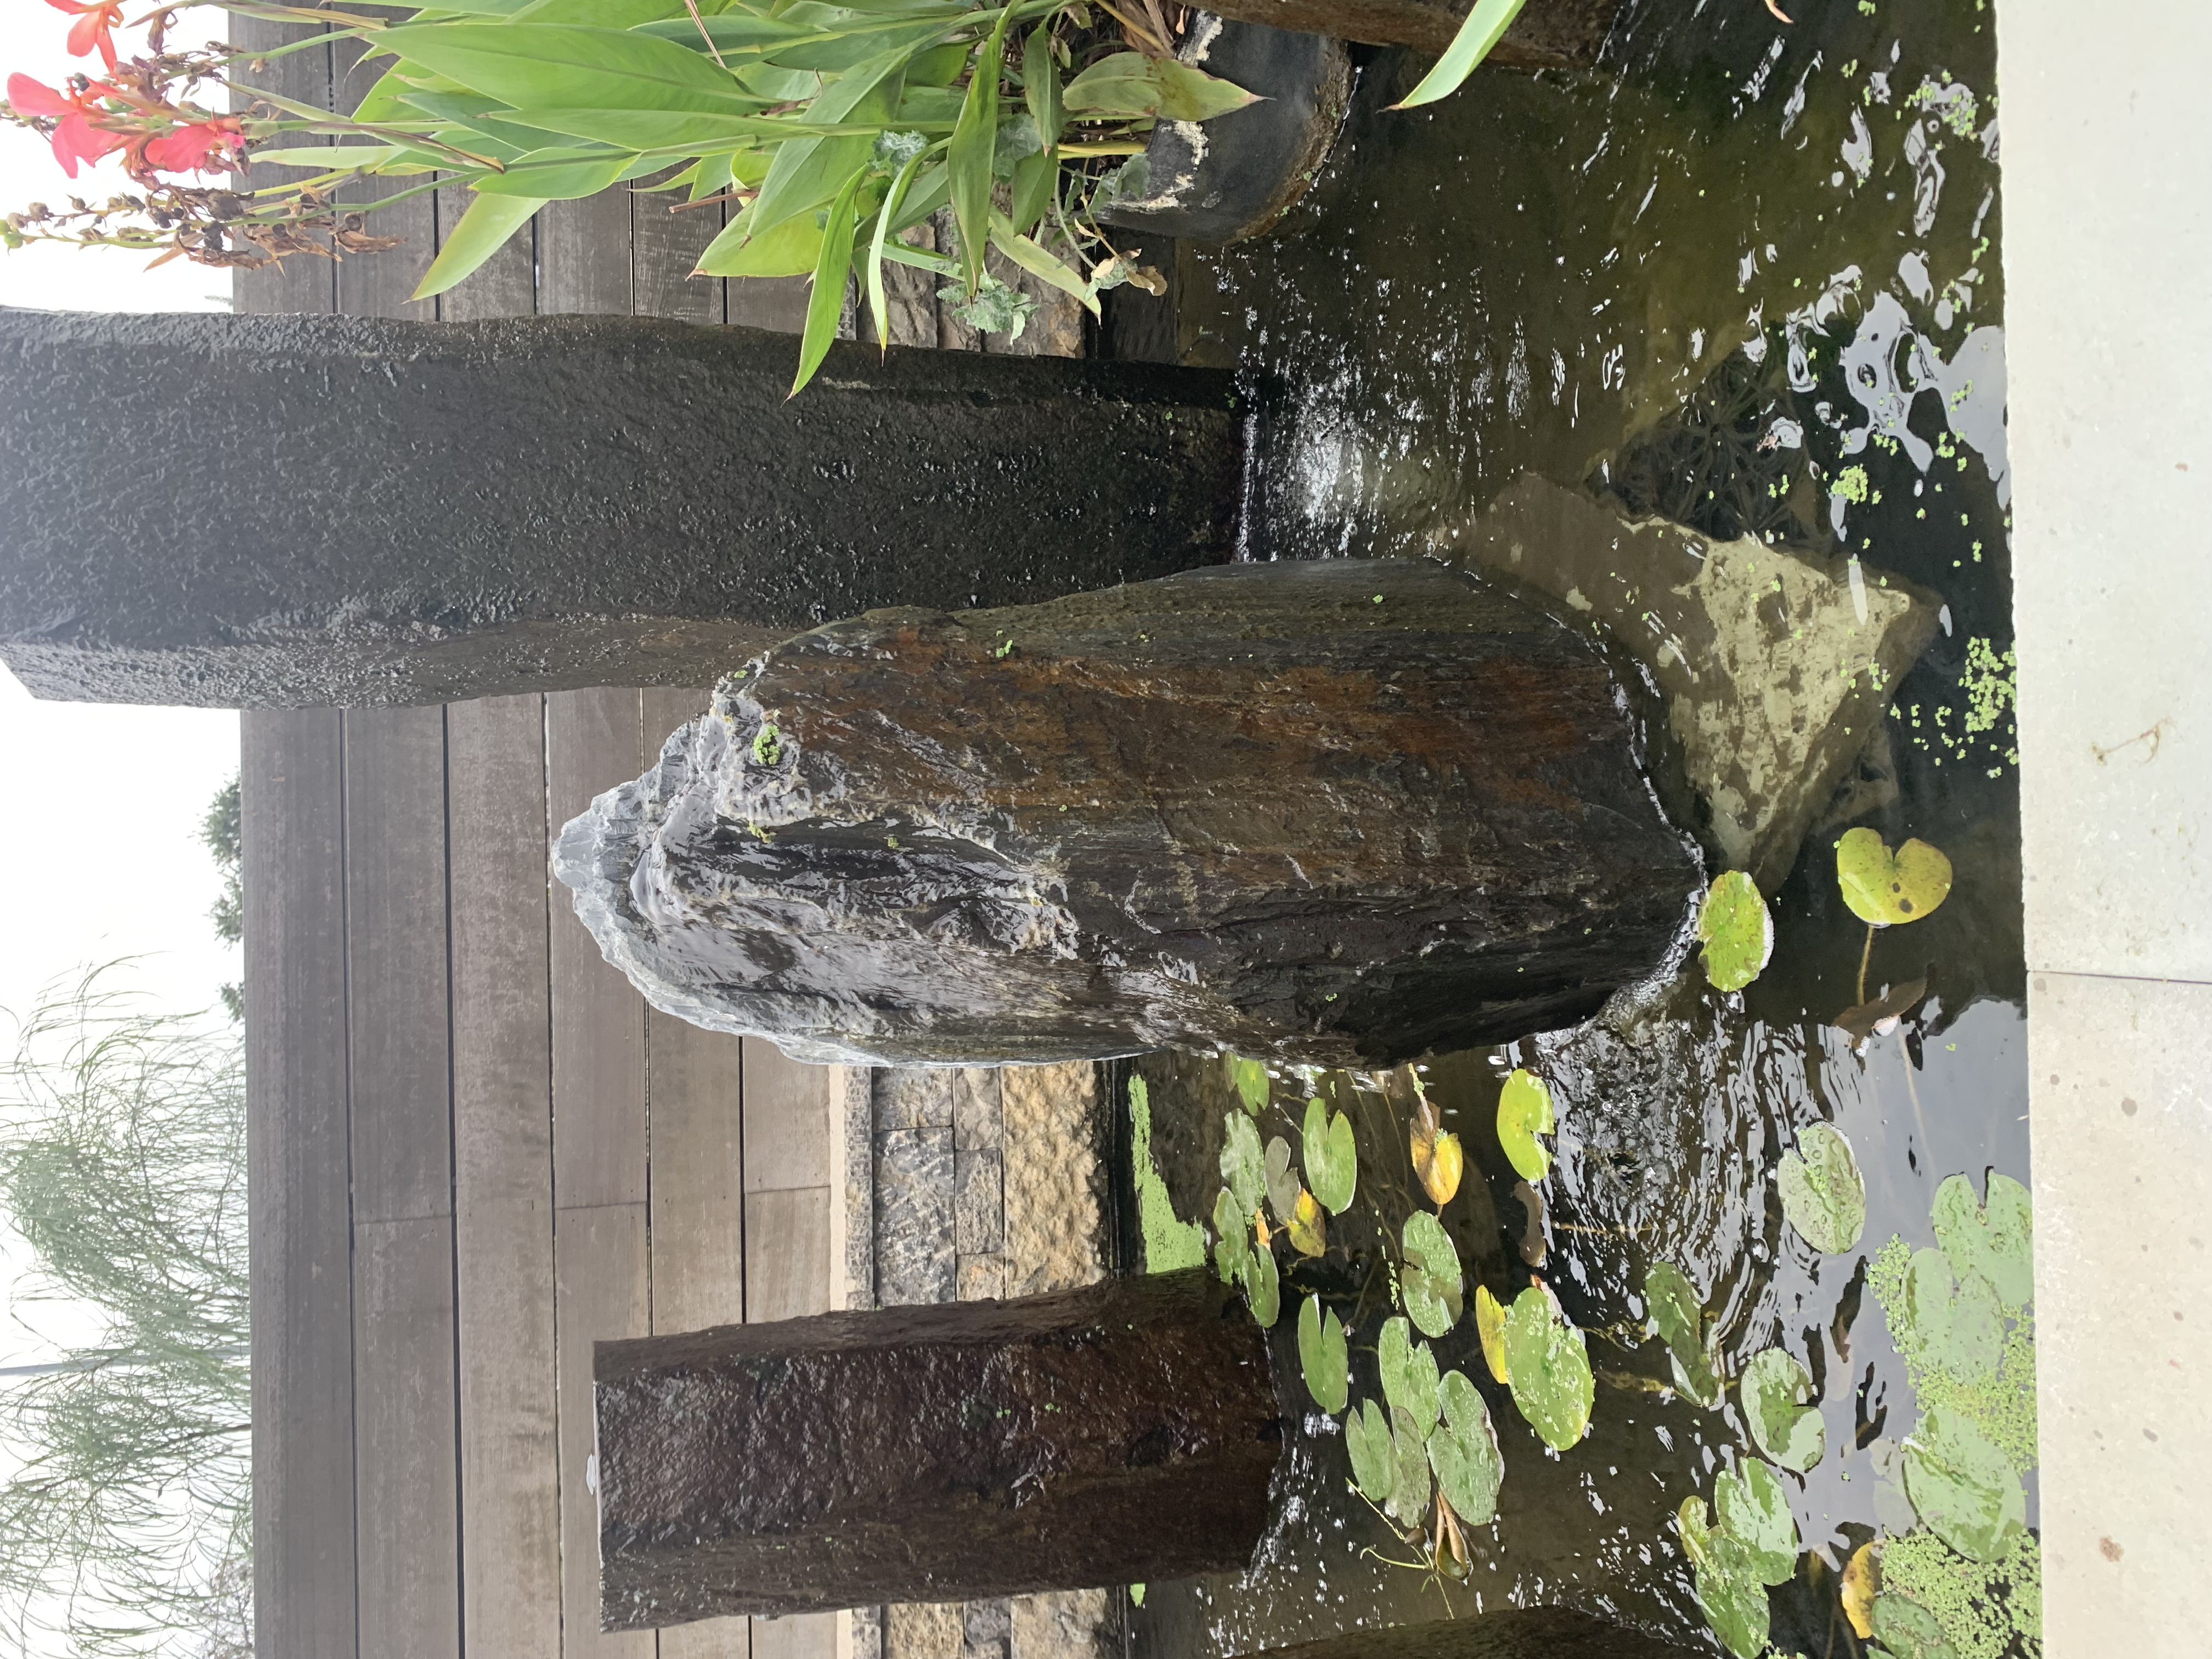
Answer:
[(1908, 1631), (1679, 1319), (1524, 1111), (1735, 931), (1887, 889), (1434, 1291), (1262, 1288), (1249, 1078), (1464, 1452), (1550, 1368), (1409, 1373), (1962, 1487), (1332, 1158), (1755, 1510), (1822, 1192), (1993, 1241), (1322, 1355), (1776, 1388), (1243, 1164), (1367, 1438)]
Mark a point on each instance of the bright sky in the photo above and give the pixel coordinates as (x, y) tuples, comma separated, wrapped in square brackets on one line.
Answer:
[(101, 840)]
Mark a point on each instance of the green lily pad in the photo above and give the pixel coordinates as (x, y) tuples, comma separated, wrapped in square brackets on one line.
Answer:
[(1735, 931), (1243, 1166), (1263, 1288), (1253, 1086), (1409, 1373), (1890, 889), (1908, 1631), (1549, 1362), (1464, 1452), (1409, 1456), (1232, 1237), (1693, 1525), (1994, 1241), (1367, 1438), (1775, 1390), (1283, 1185), (1435, 1291), (1524, 1111), (1490, 1324), (1955, 1320), (1964, 1489), (1733, 1596), (1823, 1194), (1332, 1158), (1675, 1313), (1322, 1355), (1755, 1511)]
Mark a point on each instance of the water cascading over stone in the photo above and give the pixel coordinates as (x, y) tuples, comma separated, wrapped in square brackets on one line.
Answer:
[(1340, 813)]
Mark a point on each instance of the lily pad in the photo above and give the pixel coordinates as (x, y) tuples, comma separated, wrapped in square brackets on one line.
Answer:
[(1283, 1188), (1735, 931), (1861, 1583), (1409, 1373), (1754, 1510), (1309, 1231), (1955, 1320), (1439, 1163), (1693, 1525), (1524, 1111), (1409, 1456), (1775, 1390), (1995, 1241), (1822, 1192), (1232, 1237), (1332, 1158), (1243, 1165), (1489, 1321), (1464, 1452), (1263, 1288), (1734, 1597), (1323, 1356), (1964, 1489), (1890, 889), (1367, 1438), (1434, 1290), (1908, 1631), (1676, 1314), (1252, 1083), (1550, 1367)]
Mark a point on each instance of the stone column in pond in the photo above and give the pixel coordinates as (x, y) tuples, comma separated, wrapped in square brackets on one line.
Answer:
[(301, 511), (1339, 813), (1127, 1431)]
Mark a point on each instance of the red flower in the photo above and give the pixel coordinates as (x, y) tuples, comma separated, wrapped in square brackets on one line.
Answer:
[(75, 137), (91, 27), (200, 147)]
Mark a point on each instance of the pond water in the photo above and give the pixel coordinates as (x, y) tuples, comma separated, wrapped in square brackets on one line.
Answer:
[(1745, 278)]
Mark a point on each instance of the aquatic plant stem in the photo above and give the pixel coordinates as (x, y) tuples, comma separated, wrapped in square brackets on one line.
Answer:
[(1865, 956)]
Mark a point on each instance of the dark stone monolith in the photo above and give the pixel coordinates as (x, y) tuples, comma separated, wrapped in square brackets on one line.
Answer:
[(1340, 812), (1505, 1633), (315, 510), (1123, 1433)]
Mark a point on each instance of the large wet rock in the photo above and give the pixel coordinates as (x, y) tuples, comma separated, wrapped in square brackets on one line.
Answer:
[(1503, 1633), (1341, 812), (1127, 1431), (310, 511)]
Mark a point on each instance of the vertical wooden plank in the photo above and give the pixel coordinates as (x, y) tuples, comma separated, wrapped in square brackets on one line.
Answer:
[(379, 284), (594, 741), (786, 1124), (406, 1460), (297, 1147), (584, 253), (665, 247), (776, 303), (505, 285), (503, 1179), (302, 281)]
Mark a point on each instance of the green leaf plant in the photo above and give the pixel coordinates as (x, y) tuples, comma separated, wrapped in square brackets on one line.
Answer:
[(1823, 1194), (1735, 931), (829, 130)]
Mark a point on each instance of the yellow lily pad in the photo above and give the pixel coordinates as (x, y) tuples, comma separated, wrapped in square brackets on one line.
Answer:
[(1887, 889)]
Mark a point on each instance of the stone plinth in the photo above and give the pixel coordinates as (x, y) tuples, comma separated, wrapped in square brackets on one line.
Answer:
[(1125, 1431), (312, 510), (1341, 813)]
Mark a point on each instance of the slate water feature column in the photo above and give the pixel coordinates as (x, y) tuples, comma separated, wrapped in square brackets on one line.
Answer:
[(306, 511), (1124, 1431)]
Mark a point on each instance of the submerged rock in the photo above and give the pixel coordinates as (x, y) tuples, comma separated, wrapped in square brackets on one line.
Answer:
[(1340, 812)]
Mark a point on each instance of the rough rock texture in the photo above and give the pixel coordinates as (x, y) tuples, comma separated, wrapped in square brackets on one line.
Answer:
[(314, 510), (1774, 676), (1056, 1136), (1124, 1431), (1547, 35), (1339, 813), (1506, 1634)]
